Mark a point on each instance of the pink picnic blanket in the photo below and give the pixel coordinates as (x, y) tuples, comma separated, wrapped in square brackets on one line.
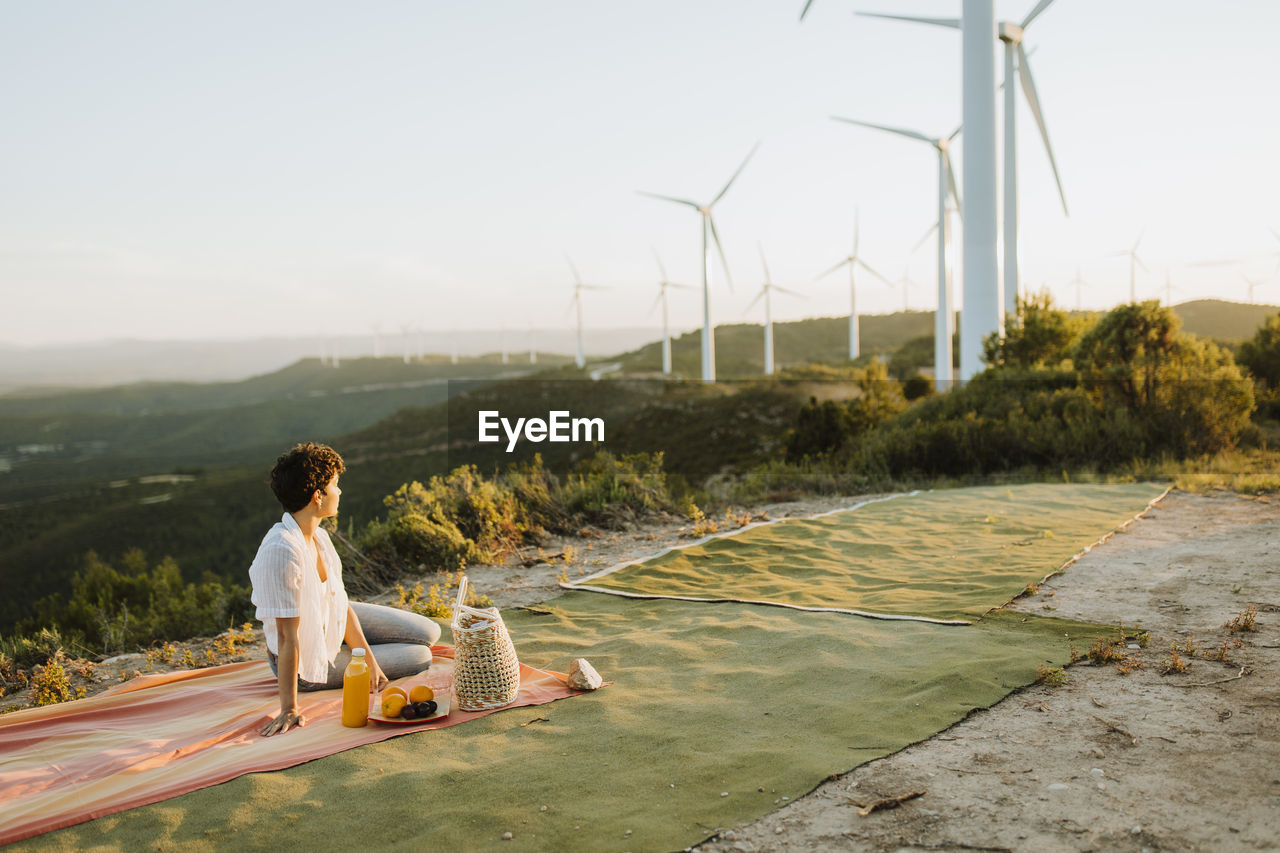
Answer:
[(159, 736)]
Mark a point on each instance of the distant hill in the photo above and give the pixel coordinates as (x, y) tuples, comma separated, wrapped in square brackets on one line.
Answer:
[(100, 363), (1228, 322), (49, 444)]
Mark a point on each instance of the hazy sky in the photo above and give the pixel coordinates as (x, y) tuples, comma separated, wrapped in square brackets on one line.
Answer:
[(229, 169)]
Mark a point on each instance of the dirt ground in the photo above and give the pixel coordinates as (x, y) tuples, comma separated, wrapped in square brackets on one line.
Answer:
[(1106, 761), (1143, 761)]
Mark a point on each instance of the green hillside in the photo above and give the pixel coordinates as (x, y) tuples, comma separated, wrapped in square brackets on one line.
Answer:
[(740, 346), (1229, 322), (59, 442)]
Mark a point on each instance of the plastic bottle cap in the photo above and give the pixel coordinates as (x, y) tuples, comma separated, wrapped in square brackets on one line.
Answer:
[(357, 653)]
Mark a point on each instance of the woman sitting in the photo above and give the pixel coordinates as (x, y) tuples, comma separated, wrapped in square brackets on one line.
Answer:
[(310, 626)]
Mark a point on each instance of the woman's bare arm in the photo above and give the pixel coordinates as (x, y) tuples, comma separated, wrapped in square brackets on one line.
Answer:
[(355, 639), (287, 678)]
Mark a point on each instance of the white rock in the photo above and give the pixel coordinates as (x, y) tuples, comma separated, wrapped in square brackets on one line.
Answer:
[(1097, 772), (1059, 786), (583, 676)]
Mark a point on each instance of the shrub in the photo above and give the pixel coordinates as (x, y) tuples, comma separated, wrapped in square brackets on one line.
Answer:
[(1187, 395), (434, 542), (1261, 354), (1037, 335), (607, 488)]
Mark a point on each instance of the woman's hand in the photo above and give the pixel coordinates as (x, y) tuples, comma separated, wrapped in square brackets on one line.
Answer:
[(377, 678), (287, 719)]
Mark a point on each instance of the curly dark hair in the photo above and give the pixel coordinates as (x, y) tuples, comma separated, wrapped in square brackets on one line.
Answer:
[(303, 471)]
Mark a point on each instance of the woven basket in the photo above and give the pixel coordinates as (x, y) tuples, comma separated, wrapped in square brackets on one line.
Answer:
[(486, 673)]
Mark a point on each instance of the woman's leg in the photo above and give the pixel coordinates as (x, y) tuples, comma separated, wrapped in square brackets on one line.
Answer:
[(392, 625), (399, 640)]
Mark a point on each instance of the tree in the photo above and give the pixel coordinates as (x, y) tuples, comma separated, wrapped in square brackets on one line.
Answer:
[(1038, 335), (1188, 394), (1261, 354)]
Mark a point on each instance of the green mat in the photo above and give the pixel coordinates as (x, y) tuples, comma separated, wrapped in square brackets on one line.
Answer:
[(945, 555), (709, 699)]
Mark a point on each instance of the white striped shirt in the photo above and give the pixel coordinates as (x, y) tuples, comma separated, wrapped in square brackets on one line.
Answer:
[(286, 584)]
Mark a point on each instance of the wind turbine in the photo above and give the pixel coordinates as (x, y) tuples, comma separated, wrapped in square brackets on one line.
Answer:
[(853, 261), (580, 359), (764, 293), (1134, 262), (533, 352), (1079, 283), (502, 338), (405, 340), (709, 229), (944, 321), (1252, 284), (663, 284), (1012, 35)]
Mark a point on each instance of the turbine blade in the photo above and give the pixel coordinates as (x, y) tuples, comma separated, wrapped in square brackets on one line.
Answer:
[(753, 302), (951, 184), (679, 286), (790, 291), (955, 133), (1034, 13), (1141, 234), (1033, 100), (864, 265), (692, 204), (925, 238), (659, 260), (764, 263), (728, 277), (577, 279), (898, 130), (805, 10), (833, 269), (750, 154), (654, 306), (1139, 262), (953, 23)]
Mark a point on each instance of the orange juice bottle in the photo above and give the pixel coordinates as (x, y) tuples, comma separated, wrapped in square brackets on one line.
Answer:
[(355, 691)]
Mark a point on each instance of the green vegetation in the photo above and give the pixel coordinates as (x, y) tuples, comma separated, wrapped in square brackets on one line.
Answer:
[(464, 517), (1059, 396)]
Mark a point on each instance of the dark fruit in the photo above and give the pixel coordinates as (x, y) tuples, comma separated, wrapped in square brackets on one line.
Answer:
[(427, 708), (409, 712)]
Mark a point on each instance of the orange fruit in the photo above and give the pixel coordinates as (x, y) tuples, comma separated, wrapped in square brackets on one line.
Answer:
[(395, 691), (421, 693), (393, 703)]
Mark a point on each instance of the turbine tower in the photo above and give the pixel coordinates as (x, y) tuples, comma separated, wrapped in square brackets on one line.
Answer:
[(663, 284), (944, 321), (709, 229), (853, 261), (1015, 61), (1134, 263), (764, 293), (533, 352), (1252, 284), (1079, 283), (580, 359)]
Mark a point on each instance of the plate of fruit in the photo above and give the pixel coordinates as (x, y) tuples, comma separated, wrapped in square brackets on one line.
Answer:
[(419, 704)]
